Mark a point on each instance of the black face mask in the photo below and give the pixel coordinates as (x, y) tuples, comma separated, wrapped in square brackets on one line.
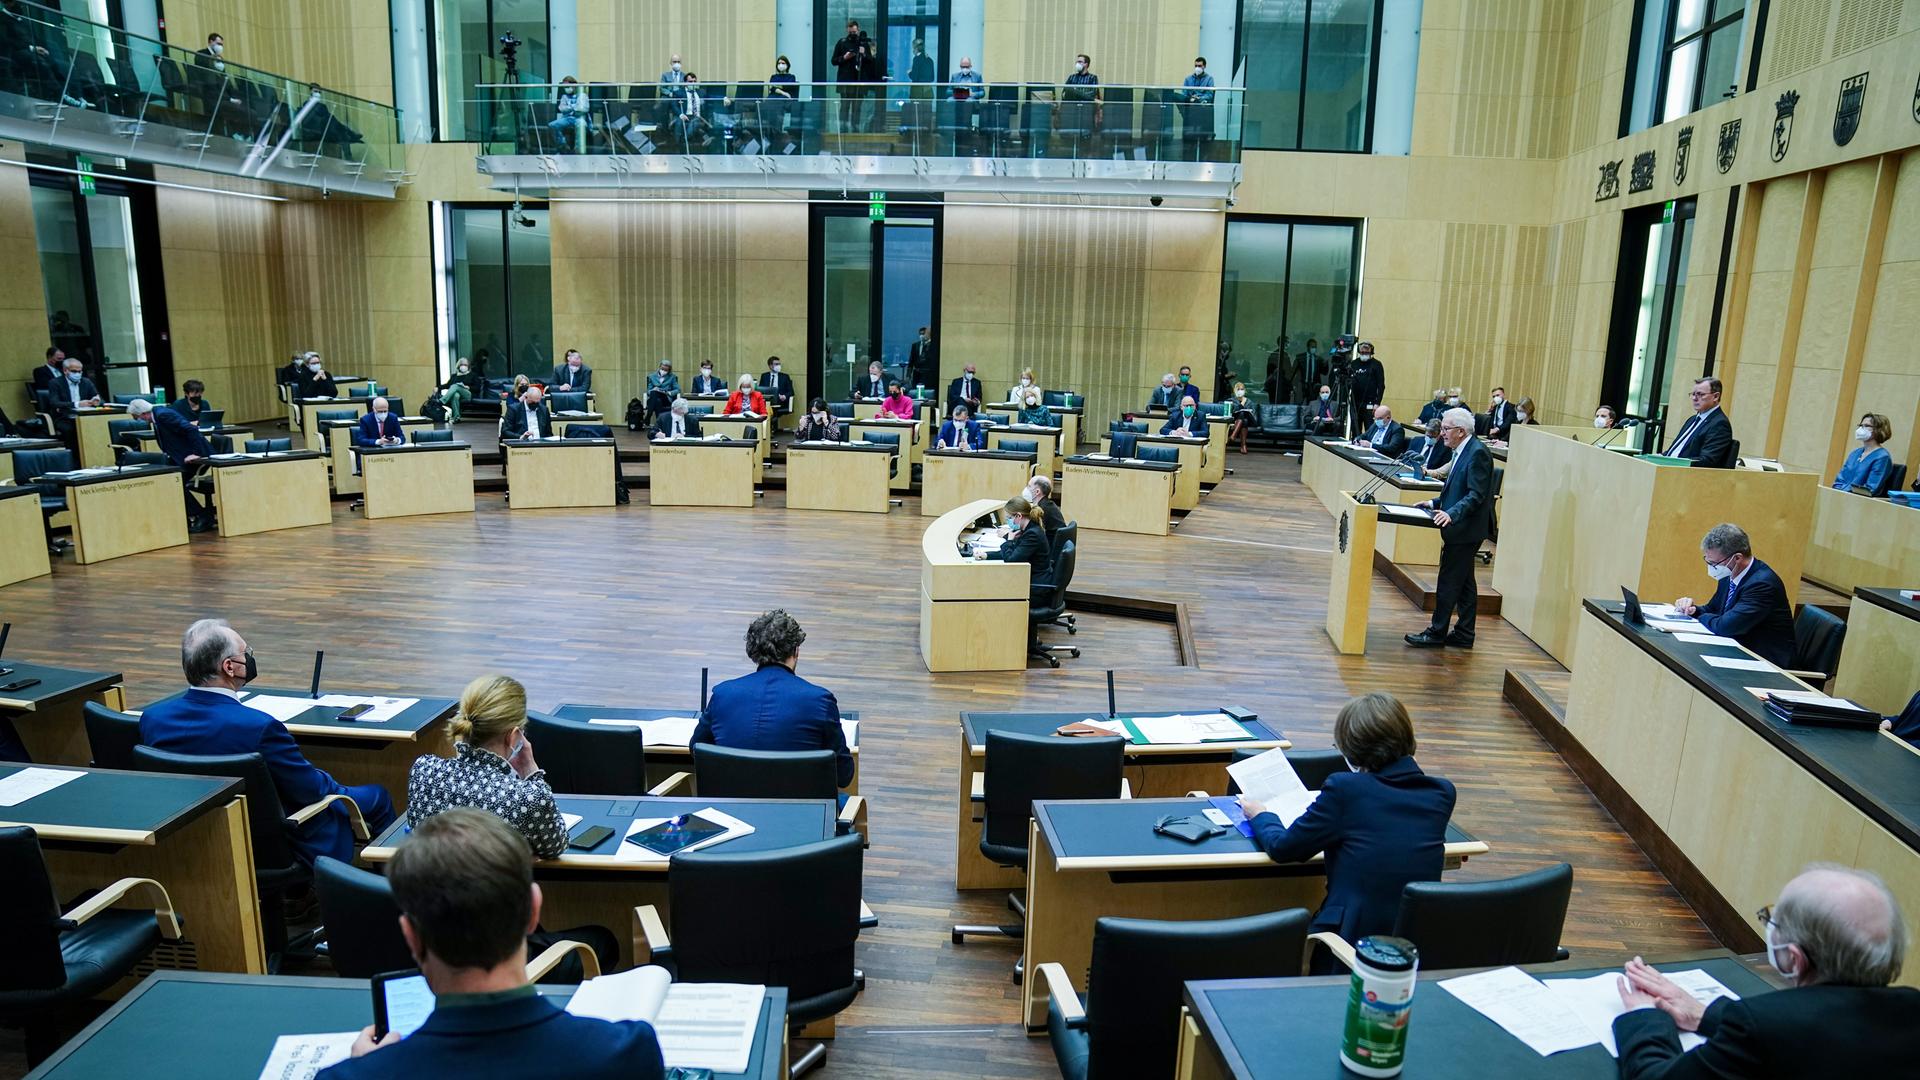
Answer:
[(253, 669)]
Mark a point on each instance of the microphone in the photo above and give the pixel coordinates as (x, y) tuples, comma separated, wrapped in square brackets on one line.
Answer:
[(318, 656), (703, 689), (1365, 495), (1110, 708), (5, 629)]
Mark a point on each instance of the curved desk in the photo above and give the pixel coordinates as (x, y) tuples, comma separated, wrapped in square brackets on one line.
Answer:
[(973, 613)]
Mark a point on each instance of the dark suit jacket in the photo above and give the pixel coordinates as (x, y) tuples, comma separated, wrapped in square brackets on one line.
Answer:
[(1757, 615), (1417, 450), (867, 388), (957, 396), (1323, 410), (63, 397), (709, 384), (1806, 1031), (1369, 381), (922, 359), (1029, 546), (204, 722), (44, 377), (371, 431), (776, 385), (774, 709), (581, 382), (1179, 423), (311, 387), (663, 426), (523, 1036), (178, 437), (1500, 420), (1393, 443), (1431, 410), (1051, 519), (1712, 446), (950, 435), (1379, 830), (516, 425), (1164, 396), (1468, 495)]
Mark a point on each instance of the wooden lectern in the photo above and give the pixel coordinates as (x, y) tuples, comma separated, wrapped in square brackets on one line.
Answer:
[(1356, 527)]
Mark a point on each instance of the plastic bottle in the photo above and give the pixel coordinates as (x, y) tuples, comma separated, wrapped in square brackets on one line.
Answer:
[(1379, 1004)]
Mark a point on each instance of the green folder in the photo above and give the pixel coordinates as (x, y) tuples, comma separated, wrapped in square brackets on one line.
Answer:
[(1662, 459)]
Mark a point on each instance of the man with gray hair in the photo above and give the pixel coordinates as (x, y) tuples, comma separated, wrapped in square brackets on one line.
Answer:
[(1749, 601), (210, 718), (675, 423), (1464, 512), (1836, 934), (1166, 395), (180, 440)]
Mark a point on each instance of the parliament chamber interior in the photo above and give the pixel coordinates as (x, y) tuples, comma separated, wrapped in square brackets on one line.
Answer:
[(505, 506)]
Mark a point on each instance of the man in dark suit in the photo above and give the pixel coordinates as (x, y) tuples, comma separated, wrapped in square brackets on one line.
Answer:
[(776, 385), (1836, 935), (773, 708), (1500, 415), (528, 418), (73, 392), (1429, 451), (1386, 436), (209, 718), (871, 386), (1323, 413), (1186, 420), (185, 447), (965, 390), (314, 380), (573, 375), (707, 382), (1039, 494), (1464, 512), (1707, 436), (379, 427), (463, 882), (923, 360), (676, 423), (1309, 370), (1165, 394), (1368, 383), (51, 372), (1749, 604)]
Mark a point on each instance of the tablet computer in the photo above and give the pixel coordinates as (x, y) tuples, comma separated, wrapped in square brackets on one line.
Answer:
[(676, 834)]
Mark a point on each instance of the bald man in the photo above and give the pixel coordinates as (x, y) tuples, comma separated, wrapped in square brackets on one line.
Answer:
[(1837, 936), (379, 427)]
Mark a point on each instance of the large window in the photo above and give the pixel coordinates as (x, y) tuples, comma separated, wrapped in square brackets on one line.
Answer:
[(910, 45), (468, 51), (1310, 72), (1285, 283), (875, 284), (1650, 290), (93, 275), (1686, 57), (498, 291)]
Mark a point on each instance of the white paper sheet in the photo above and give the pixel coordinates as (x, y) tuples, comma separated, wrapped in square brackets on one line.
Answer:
[(27, 783), (710, 1025), (299, 1057), (282, 709), (851, 729), (1596, 1000), (1185, 728), (1704, 639), (634, 994), (665, 731), (384, 708), (1738, 663), (571, 819), (1679, 625), (735, 829), (1270, 779), (1519, 1003)]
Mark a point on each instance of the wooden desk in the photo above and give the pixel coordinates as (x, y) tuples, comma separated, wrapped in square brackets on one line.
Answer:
[(47, 716), (973, 613), (362, 752), (1696, 770), (698, 472), (1328, 470), (124, 512), (9, 445), (421, 478), (1258, 1028), (735, 428), (23, 535), (678, 757), (1046, 442), (1880, 659), (1186, 482), (567, 472), (1578, 522), (90, 425), (310, 426), (266, 492), (1214, 469), (1070, 424), (189, 833), (839, 476), (912, 443), (1118, 495), (337, 437), (172, 1016), (953, 478), (1350, 569), (1099, 857), (603, 884), (564, 420), (237, 436), (1859, 541), (1154, 771)]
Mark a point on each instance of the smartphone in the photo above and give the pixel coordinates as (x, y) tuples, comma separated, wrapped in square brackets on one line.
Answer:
[(589, 837), (355, 712), (20, 684), (402, 1001), (688, 1072)]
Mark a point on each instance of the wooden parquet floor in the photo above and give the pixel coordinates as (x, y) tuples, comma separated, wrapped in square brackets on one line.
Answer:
[(624, 606)]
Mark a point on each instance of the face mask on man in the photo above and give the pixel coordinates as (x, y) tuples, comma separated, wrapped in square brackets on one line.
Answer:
[(1454, 400), (1078, 66), (218, 47), (1324, 396), (1720, 571), (1188, 410), (1185, 378), (1775, 950), (1498, 398), (775, 369), (676, 65), (1199, 71), (1600, 421)]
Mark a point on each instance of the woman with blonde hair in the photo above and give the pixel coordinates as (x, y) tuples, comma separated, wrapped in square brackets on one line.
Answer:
[(1018, 393), (492, 768)]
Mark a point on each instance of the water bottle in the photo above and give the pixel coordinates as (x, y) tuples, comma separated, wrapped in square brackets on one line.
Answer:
[(159, 395), (1379, 1003)]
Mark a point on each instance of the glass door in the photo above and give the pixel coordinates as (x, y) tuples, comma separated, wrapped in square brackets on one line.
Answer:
[(875, 283), (909, 39), (91, 243), (1649, 294), (498, 280)]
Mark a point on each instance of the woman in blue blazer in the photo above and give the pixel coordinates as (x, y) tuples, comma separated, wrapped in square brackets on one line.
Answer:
[(1381, 826), (1867, 464)]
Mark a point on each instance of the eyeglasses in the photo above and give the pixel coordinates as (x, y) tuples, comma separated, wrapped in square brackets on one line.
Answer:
[(1712, 563), (1701, 393), (1765, 916)]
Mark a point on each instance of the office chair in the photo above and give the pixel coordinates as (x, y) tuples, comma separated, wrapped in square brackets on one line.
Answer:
[(886, 438), (587, 431), (430, 435), (724, 772), (1138, 427), (590, 759), (128, 399), (1313, 766), (277, 866), (269, 446), (1002, 419), (57, 961), (111, 736), (1020, 769), (1019, 446), (1896, 475), (1122, 444), (370, 390), (1732, 460), (1049, 606), (1168, 454), (1817, 637), (28, 467), (568, 401), (787, 917), (1053, 399), (1514, 920), (840, 410), (132, 458), (1128, 1024), (127, 432), (1062, 536), (1493, 524)]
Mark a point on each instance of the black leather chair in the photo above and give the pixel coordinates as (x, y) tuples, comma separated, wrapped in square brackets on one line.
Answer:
[(787, 917), (1062, 536), (269, 446), (842, 410), (1122, 444), (1022, 768), (1049, 605), (889, 439), (57, 961), (567, 401), (1313, 766), (277, 865), (587, 431), (125, 432), (362, 921), (1817, 637), (430, 435), (30, 464), (321, 416), (996, 418), (111, 736), (1019, 446), (1514, 920), (724, 772), (1129, 1024), (1168, 454), (128, 399), (1896, 475), (1138, 427), (589, 759)]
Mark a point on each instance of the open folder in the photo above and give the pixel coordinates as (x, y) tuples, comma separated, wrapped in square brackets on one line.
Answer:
[(699, 1025)]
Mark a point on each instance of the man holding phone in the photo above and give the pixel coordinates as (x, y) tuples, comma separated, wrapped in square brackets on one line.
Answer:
[(464, 885)]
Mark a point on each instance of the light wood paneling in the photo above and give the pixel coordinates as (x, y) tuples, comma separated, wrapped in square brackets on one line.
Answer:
[(1150, 42), (719, 40), (1880, 660), (1861, 541)]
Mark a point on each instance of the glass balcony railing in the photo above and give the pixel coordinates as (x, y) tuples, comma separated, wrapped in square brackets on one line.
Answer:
[(85, 86), (889, 119)]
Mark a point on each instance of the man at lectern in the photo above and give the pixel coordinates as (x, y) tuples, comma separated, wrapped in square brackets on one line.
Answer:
[(1464, 512)]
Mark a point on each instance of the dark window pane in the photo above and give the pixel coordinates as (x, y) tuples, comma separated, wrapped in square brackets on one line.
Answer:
[(1724, 8), (1339, 47), (1274, 38), (1281, 280), (1722, 66)]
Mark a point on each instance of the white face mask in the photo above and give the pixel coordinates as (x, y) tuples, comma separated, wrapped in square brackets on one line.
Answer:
[(676, 65), (1863, 433), (1522, 417), (1199, 71), (965, 70), (1078, 66), (1324, 397), (1455, 400), (1776, 949), (1497, 399), (218, 47), (1720, 572), (1600, 421), (706, 371), (313, 367), (380, 417), (1026, 382), (782, 66), (776, 369)]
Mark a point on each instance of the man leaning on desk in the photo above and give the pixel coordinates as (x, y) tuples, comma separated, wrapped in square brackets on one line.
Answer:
[(211, 719), (184, 447), (774, 708), (1836, 935), (1749, 604), (464, 884)]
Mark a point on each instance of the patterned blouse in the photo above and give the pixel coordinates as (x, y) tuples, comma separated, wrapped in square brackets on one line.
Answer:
[(484, 780)]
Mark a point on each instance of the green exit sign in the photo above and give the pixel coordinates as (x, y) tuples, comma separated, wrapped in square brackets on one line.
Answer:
[(877, 205), (85, 165)]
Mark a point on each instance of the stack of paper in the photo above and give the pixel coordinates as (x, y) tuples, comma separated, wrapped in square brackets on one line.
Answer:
[(1565, 1014), (1667, 619), (1738, 663), (1183, 729), (287, 709), (25, 784), (663, 731), (699, 1025), (301, 1057), (1704, 639), (1270, 780)]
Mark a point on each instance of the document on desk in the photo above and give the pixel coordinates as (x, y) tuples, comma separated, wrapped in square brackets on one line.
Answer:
[(1704, 639), (1596, 1000), (571, 819), (27, 783), (1739, 663), (709, 1025), (851, 729), (634, 994), (282, 709), (383, 708), (1183, 729), (1270, 779), (1523, 1006), (300, 1057), (664, 731)]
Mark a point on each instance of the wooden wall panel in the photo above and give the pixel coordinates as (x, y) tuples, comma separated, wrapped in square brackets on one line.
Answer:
[(624, 41), (226, 297), (343, 45), (23, 310), (1148, 42)]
